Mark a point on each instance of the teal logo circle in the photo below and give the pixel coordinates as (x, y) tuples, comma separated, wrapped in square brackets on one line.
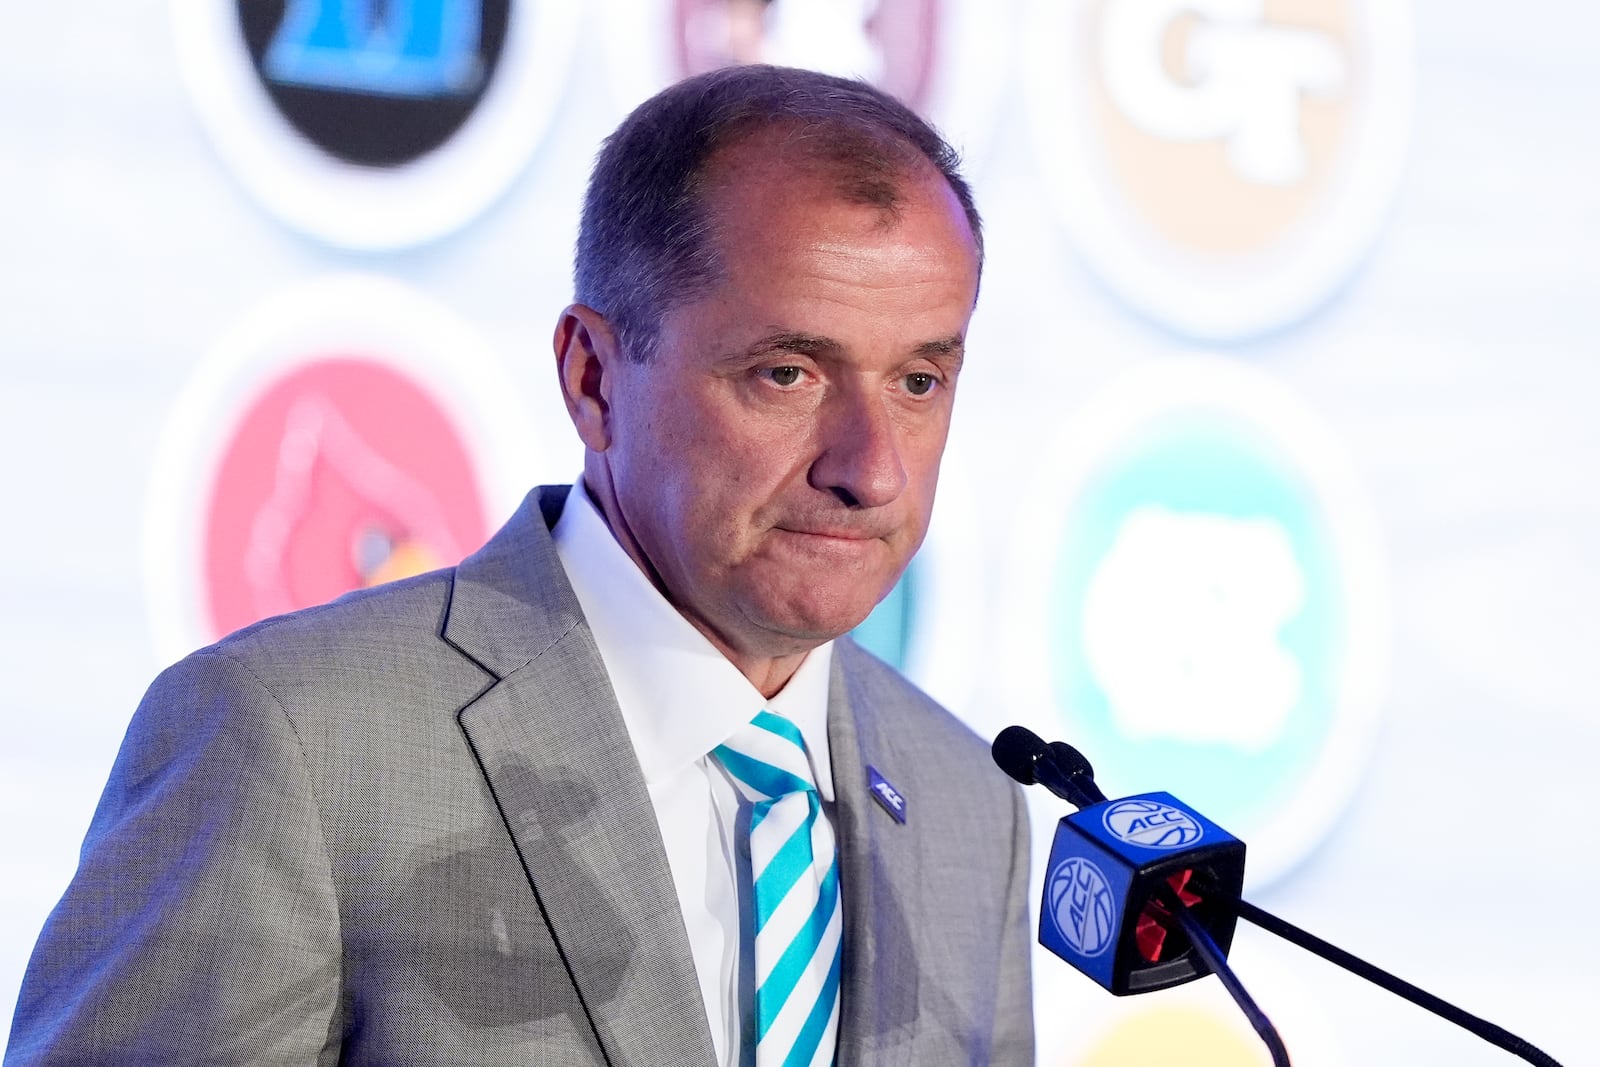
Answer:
[(1198, 614), (1210, 618)]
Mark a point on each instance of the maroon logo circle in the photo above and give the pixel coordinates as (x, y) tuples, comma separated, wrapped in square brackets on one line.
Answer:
[(893, 43)]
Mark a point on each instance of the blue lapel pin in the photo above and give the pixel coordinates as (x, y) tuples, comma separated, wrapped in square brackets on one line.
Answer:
[(884, 792)]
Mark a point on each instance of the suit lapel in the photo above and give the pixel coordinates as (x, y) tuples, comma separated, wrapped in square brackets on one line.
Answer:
[(556, 754), (880, 880)]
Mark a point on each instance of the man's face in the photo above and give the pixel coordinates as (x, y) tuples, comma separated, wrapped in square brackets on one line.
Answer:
[(775, 463)]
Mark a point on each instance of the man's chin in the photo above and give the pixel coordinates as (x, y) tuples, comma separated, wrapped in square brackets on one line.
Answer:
[(803, 628)]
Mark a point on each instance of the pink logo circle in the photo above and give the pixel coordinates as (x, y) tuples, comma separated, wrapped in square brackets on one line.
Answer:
[(342, 473)]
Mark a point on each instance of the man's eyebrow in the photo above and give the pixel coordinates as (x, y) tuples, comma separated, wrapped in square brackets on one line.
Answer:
[(810, 344), (954, 346), (805, 344)]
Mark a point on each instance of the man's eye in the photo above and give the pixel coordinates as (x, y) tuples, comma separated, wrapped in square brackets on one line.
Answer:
[(920, 384), (783, 375)]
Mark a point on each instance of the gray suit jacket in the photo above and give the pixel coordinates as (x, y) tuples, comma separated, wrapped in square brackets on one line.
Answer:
[(408, 827)]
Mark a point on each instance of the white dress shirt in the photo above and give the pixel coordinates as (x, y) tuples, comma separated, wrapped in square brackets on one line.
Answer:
[(680, 699)]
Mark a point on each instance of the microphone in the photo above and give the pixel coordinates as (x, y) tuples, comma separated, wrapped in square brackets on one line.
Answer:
[(1133, 885), (1111, 864), (1057, 766), (1076, 766)]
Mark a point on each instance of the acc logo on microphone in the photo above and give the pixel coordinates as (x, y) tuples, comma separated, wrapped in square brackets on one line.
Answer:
[(1200, 600), (1223, 164), (1082, 906), (375, 124), (1150, 824), (347, 433)]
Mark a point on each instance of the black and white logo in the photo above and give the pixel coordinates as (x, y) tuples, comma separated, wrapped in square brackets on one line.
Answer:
[(376, 84), (375, 124)]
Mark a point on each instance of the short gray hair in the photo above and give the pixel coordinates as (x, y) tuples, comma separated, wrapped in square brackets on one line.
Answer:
[(644, 245)]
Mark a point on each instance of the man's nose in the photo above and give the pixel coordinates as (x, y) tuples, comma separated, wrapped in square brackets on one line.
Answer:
[(860, 459)]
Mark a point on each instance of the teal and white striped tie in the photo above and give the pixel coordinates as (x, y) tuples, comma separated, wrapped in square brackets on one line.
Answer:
[(794, 878)]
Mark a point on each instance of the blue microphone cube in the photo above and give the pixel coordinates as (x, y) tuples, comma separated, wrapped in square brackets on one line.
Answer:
[(1105, 866)]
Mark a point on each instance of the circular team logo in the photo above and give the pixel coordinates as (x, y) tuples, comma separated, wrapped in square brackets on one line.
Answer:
[(1202, 604), (381, 85), (1151, 824), (375, 124), (1174, 1035), (348, 433), (946, 59), (1224, 164), (1082, 906), (891, 43), (342, 473)]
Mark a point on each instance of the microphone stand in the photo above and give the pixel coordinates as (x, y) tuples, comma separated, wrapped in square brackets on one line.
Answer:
[(1495, 1035)]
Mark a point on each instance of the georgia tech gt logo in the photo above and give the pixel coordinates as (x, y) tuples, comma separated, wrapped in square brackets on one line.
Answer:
[(1223, 163), (1239, 81)]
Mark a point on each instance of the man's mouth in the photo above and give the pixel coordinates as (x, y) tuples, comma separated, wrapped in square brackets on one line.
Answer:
[(834, 532)]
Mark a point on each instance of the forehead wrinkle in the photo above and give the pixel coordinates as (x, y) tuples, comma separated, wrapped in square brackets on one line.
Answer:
[(840, 249)]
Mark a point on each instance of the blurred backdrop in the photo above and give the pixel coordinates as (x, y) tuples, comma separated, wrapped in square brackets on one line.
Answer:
[(1270, 478)]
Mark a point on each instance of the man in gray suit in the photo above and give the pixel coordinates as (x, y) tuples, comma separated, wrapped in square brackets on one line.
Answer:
[(486, 815)]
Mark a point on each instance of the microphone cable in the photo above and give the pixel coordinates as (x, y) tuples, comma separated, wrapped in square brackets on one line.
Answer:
[(1214, 960)]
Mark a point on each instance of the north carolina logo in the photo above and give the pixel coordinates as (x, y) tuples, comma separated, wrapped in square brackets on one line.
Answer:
[(1201, 601), (1151, 824), (1223, 163), (1082, 906)]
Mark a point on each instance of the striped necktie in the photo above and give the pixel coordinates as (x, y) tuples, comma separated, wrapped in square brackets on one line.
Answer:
[(794, 880)]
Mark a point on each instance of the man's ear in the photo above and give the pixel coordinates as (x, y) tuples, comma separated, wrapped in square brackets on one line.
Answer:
[(587, 358)]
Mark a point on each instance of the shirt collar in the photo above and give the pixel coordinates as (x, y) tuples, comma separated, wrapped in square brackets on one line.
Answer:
[(680, 697)]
